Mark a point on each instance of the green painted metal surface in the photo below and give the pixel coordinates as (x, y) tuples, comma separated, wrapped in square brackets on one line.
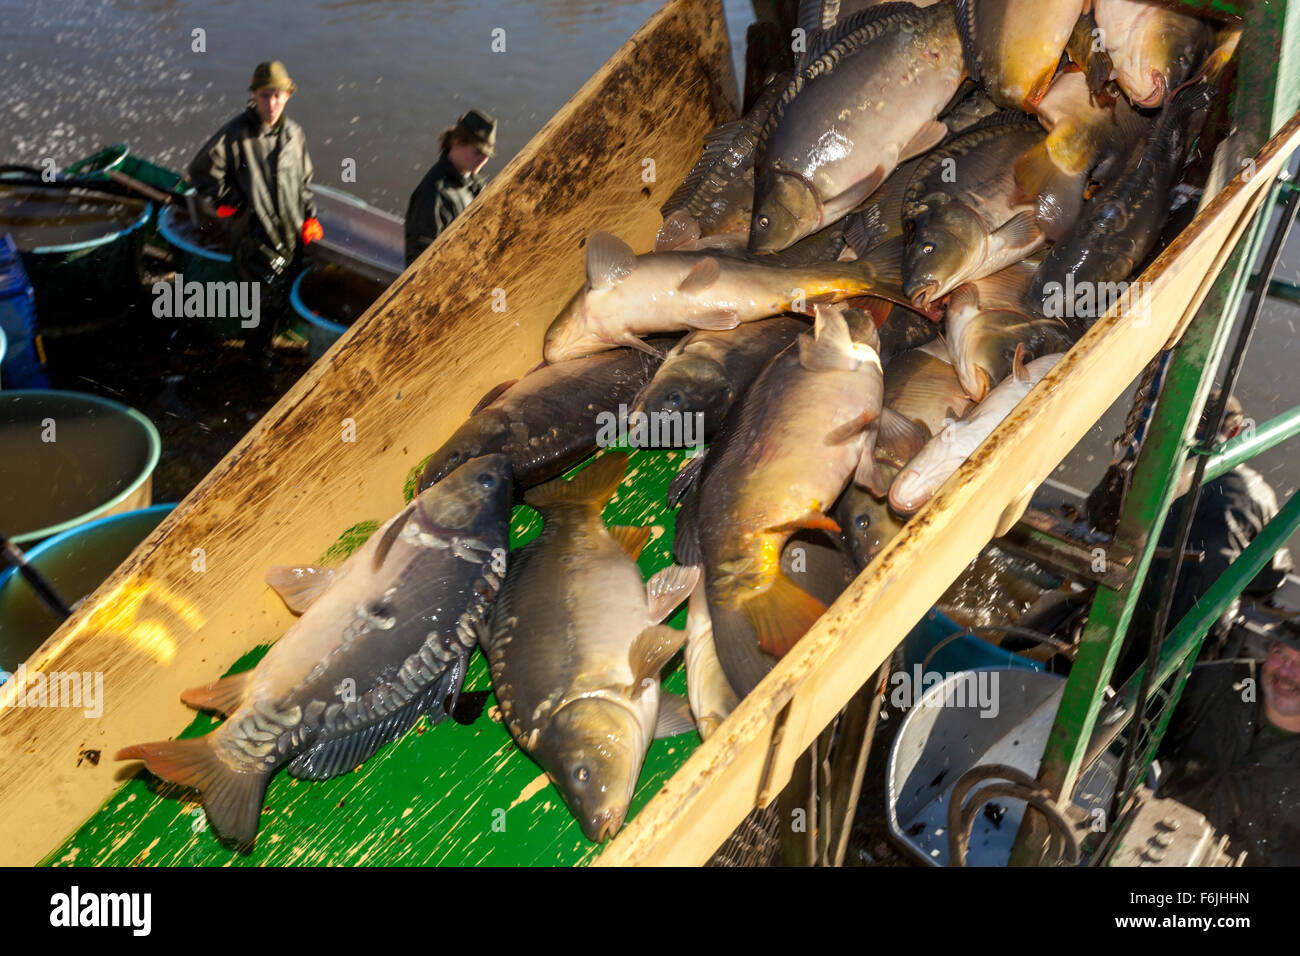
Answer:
[(1254, 441), (448, 794)]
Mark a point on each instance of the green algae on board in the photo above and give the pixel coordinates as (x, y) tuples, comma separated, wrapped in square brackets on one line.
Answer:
[(442, 794)]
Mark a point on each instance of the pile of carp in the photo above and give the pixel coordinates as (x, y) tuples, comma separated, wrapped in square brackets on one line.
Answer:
[(923, 185)]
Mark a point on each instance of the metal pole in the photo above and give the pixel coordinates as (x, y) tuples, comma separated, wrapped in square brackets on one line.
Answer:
[(1254, 442)]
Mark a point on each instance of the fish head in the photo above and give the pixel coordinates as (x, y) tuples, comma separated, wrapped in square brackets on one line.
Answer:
[(944, 245), (1167, 56), (475, 496), (921, 477), (786, 209), (569, 335), (692, 384), (593, 749), (484, 434), (868, 524)]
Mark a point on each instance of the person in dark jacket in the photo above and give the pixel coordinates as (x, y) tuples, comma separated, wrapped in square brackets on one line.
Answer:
[(256, 172), (1233, 750), (452, 183)]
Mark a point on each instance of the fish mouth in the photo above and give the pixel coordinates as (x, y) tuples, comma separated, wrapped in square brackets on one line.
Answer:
[(1159, 89), (924, 295), (605, 825), (903, 503)]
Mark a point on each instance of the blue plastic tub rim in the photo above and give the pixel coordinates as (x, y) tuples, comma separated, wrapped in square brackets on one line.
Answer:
[(56, 540), (155, 452), (102, 240), (169, 233), (305, 312)]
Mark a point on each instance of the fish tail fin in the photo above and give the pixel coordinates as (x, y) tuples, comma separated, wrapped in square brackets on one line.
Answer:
[(751, 638), (593, 486), (233, 800)]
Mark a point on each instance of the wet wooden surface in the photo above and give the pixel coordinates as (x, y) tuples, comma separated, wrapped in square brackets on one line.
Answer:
[(337, 448)]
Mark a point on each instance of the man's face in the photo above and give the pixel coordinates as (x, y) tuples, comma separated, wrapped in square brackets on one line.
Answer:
[(270, 105), (1282, 681), (467, 158)]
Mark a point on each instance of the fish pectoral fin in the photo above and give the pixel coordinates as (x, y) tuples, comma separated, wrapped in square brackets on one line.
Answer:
[(814, 519), (390, 535), (685, 479), (630, 539), (852, 428), (299, 586), (927, 138), (233, 800), (718, 320), (669, 588), (592, 486), (702, 275), (632, 342), (680, 229), (651, 650), (609, 260), (674, 716), (873, 476), (221, 696), (686, 539), (781, 615), (900, 438), (1019, 232), (492, 394)]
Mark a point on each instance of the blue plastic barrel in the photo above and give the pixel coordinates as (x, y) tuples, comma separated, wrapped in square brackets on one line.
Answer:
[(21, 366)]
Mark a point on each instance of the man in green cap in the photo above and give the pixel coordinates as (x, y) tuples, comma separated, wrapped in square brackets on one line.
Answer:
[(453, 181), (256, 172)]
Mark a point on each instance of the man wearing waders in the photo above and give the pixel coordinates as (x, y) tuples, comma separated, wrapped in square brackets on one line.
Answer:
[(256, 172)]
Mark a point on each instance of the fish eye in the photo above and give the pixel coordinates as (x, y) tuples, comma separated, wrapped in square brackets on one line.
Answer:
[(927, 248), (862, 522), (673, 399), (581, 774), (487, 480), (764, 222), (453, 458)]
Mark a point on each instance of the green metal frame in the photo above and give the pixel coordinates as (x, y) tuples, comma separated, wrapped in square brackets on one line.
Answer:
[(1267, 93)]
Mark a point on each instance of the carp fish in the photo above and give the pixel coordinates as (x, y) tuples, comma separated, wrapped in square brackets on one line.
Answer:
[(947, 451), (989, 317), (1120, 225), (965, 215), (577, 643), (628, 296), (382, 640), (707, 371), (803, 431), (549, 420), (1154, 50), (866, 522), (867, 100), (1018, 44)]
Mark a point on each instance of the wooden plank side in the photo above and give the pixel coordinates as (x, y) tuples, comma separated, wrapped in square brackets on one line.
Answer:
[(715, 789), (337, 447)]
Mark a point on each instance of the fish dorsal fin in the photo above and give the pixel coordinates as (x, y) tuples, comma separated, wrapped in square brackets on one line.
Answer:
[(853, 31), (609, 260), (702, 275), (492, 395), (651, 650), (669, 588), (674, 716), (1018, 370), (631, 540), (865, 230), (390, 535), (966, 30), (679, 229), (222, 696), (593, 486), (831, 347), (299, 587)]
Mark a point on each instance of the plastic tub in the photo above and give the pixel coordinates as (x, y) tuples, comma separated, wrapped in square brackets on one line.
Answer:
[(69, 458), (329, 299), (76, 562)]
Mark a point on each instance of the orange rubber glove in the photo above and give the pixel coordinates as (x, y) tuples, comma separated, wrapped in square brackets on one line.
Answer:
[(312, 231), (225, 212)]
